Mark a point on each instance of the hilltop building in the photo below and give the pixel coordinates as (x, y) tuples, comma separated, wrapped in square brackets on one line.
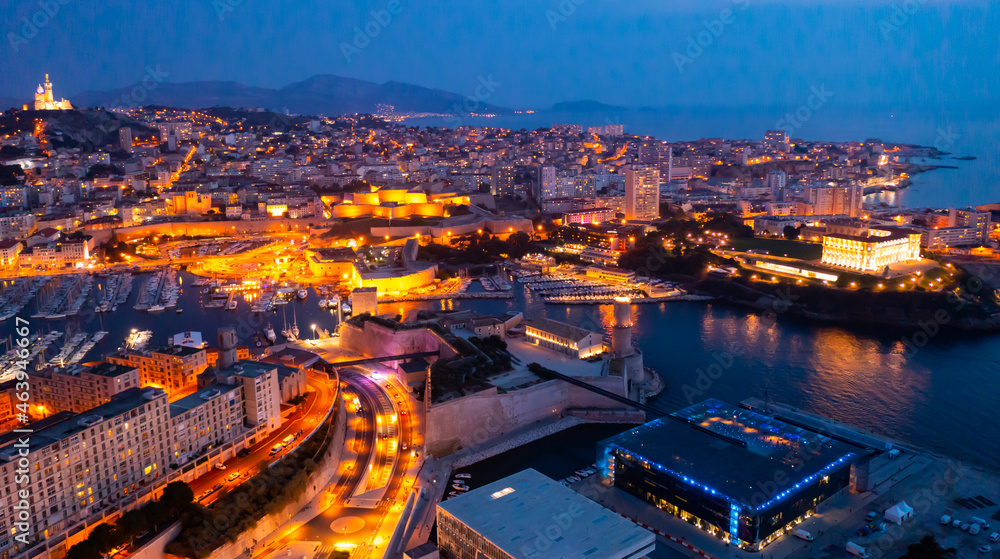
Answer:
[(45, 100)]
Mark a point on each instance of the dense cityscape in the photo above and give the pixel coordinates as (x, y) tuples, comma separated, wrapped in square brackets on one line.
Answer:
[(415, 332)]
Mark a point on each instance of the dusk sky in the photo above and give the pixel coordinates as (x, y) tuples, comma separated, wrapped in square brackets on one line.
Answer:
[(873, 54)]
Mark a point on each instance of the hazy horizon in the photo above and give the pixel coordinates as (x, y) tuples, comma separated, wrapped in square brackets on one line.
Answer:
[(721, 53)]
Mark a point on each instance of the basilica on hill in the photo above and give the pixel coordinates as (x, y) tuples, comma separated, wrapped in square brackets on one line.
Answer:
[(44, 101)]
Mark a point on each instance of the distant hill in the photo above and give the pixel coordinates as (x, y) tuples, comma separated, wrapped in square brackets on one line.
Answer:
[(584, 107), (75, 128), (322, 94)]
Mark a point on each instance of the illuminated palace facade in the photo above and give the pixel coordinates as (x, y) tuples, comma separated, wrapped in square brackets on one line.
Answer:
[(743, 477), (45, 100), (871, 249)]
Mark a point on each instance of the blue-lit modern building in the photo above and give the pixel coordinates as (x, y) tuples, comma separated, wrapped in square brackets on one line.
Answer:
[(741, 475)]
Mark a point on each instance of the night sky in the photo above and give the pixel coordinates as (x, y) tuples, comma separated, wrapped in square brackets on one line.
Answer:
[(876, 53)]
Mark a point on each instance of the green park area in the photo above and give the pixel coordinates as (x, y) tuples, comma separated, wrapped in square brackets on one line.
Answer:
[(779, 247)]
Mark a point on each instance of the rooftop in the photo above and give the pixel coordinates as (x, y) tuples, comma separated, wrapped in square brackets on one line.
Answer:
[(510, 512), (200, 397), (732, 452), (250, 369), (110, 370), (49, 431), (558, 329)]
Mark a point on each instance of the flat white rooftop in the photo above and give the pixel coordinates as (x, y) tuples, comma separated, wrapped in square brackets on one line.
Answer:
[(528, 515)]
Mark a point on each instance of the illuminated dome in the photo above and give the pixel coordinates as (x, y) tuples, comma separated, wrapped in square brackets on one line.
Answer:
[(40, 90)]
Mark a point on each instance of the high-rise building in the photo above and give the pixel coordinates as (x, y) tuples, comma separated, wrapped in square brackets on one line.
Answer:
[(776, 139), (642, 192), (503, 180), (547, 183), (832, 199), (660, 154), (776, 181), (125, 138), (613, 129), (980, 220)]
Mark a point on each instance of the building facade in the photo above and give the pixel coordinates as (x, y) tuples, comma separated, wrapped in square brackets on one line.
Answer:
[(82, 464), (711, 464), (642, 192), (872, 250), (564, 338), (79, 389), (174, 369)]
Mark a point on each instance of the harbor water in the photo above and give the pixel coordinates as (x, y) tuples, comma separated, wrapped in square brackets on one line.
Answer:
[(939, 397)]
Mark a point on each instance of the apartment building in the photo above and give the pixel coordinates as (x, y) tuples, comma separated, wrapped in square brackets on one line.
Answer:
[(206, 419), (261, 391), (174, 368), (81, 464), (78, 389)]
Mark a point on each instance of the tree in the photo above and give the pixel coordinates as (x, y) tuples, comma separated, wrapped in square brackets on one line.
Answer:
[(927, 548), (83, 550), (177, 494), (133, 523), (9, 174), (791, 233), (105, 537)]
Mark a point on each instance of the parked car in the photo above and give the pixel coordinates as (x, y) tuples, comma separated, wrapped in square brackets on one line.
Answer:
[(945, 520), (982, 523), (871, 516), (995, 537), (243, 453), (985, 549), (965, 526), (217, 487), (220, 466), (974, 529), (233, 476), (956, 523)]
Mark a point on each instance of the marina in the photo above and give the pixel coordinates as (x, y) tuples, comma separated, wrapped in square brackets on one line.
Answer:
[(16, 295), (66, 298)]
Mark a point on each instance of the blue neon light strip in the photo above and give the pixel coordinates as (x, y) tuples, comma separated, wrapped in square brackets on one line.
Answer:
[(734, 522), (732, 501)]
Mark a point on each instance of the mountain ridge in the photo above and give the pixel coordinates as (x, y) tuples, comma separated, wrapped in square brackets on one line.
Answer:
[(320, 94)]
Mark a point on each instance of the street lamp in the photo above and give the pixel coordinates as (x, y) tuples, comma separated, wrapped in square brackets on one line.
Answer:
[(314, 331)]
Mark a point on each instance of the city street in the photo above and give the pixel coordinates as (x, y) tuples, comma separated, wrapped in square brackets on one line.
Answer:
[(356, 528), (321, 393)]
